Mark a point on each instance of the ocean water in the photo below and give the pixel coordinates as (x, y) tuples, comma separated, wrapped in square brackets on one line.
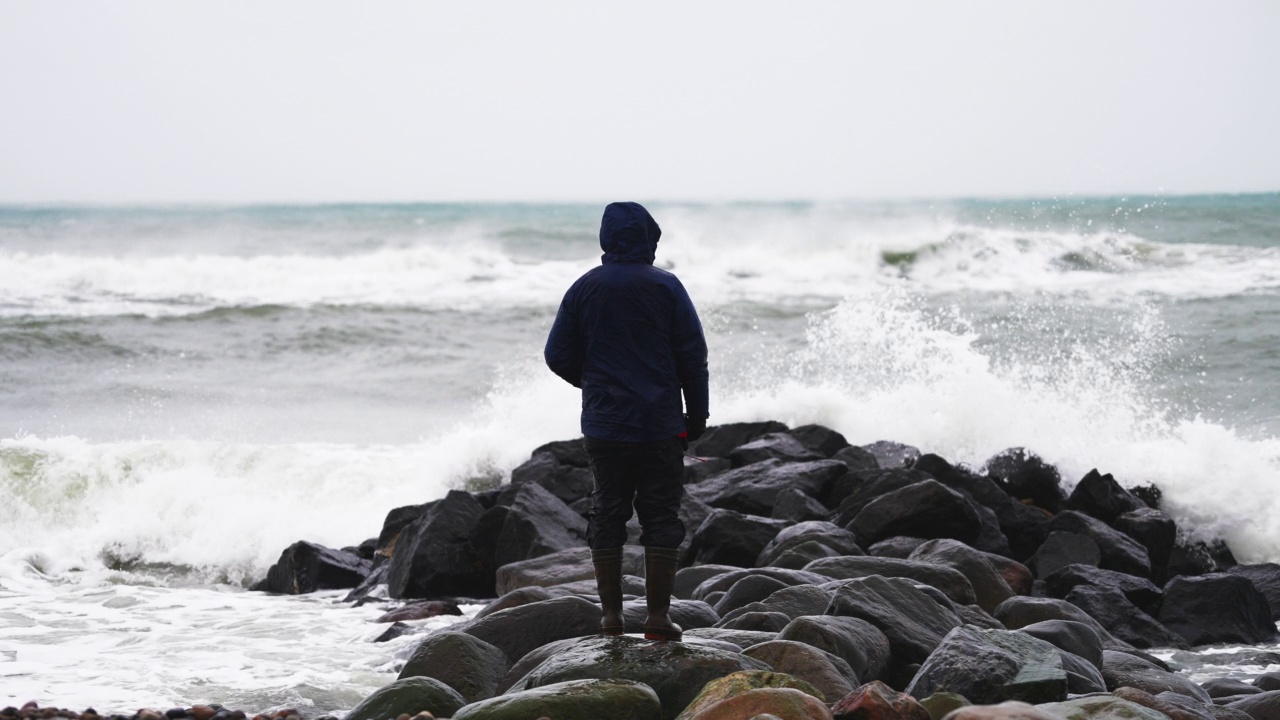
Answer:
[(185, 391)]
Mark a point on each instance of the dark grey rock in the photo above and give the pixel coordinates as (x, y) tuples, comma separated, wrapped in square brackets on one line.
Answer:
[(567, 482), (1265, 577), (1156, 532), (1217, 608), (537, 523), (689, 578), (989, 586), (518, 630), (1122, 618), (471, 666), (408, 695), (1139, 591), (1119, 551), (820, 439), (772, 622), (1125, 670), (720, 440), (514, 598), (852, 492), (697, 469), (305, 567), (721, 582), (748, 590), (827, 533), (1082, 675), (434, 556), (1267, 681), (890, 454), (949, 580), (566, 452), (976, 616), (1061, 549), (992, 666), (927, 509), (1077, 638), (859, 643), (728, 537), (591, 698), (742, 638), (753, 489), (774, 446), (913, 622), (899, 547), (1019, 611), (801, 555), (857, 458), (1226, 687), (1025, 477), (1100, 496), (793, 505), (565, 566), (688, 614), (1196, 557)]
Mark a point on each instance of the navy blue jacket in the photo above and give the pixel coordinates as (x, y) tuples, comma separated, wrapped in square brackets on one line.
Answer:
[(627, 334)]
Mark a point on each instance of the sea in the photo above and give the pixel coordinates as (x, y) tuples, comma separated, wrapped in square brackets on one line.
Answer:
[(187, 390)]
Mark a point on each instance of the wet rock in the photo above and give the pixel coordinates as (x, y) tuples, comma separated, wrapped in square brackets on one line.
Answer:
[(1262, 706), (1122, 618), (989, 666), (688, 579), (1017, 576), (1061, 549), (697, 469), (396, 521), (421, 611), (852, 492), (913, 622), (1267, 681), (877, 701), (830, 674), (1074, 637), (739, 683), (793, 505), (565, 566), (409, 695), (988, 585), (1018, 612), (727, 537), (465, 663), (797, 601), (1100, 496), (305, 567), (820, 439), (1082, 676), (724, 581), (749, 589), (890, 454), (753, 489), (566, 452), (859, 643), (1100, 707), (434, 557), (675, 671), (1196, 557), (1265, 577), (1226, 687), (688, 614), (1119, 551), (856, 458), (567, 482), (1217, 608), (514, 598), (1125, 670), (1138, 591), (827, 533), (899, 547), (518, 630), (974, 615), (720, 440), (1025, 477), (772, 622), (588, 699), (396, 630), (780, 447), (537, 523), (1177, 707), (799, 556), (742, 638), (1156, 532), (949, 580), (927, 509)]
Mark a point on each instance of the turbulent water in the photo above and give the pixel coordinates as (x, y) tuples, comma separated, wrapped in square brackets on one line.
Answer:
[(186, 391)]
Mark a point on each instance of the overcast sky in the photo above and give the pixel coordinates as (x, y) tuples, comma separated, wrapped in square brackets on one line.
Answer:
[(322, 101)]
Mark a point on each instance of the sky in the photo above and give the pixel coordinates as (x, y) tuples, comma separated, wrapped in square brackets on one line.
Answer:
[(317, 101)]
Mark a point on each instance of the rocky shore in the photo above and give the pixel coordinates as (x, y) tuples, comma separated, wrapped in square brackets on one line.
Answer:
[(820, 580)]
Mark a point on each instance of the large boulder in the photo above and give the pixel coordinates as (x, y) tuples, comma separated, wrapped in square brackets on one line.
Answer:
[(1027, 478), (829, 673), (754, 693), (1177, 707), (1008, 710), (821, 439), (1138, 591), (688, 614), (990, 666), (794, 601), (728, 537), (689, 578), (851, 493), (1119, 551), (1156, 532), (434, 556), (1100, 707), (719, 440), (792, 504), (1018, 612), (1218, 607), (675, 671), (1102, 497), (988, 584), (1121, 618), (859, 643), (567, 482), (742, 638), (756, 621), (749, 589), (1074, 637), (589, 699), (890, 454), (754, 489), (927, 509), (518, 630), (773, 446), (515, 598), (537, 523), (564, 566), (913, 622), (1126, 670), (1262, 706), (1265, 577), (305, 567), (1061, 549), (409, 696), (469, 665), (827, 533), (877, 701), (798, 556), (949, 580), (721, 582)]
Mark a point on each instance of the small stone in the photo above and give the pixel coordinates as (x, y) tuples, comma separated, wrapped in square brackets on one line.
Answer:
[(175, 713)]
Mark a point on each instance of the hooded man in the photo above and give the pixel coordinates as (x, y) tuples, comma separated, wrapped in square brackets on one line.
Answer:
[(628, 336)]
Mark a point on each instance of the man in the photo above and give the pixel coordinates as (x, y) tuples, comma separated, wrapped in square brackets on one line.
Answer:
[(628, 336)]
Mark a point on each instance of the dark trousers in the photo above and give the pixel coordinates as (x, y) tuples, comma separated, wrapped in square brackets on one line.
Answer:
[(648, 476)]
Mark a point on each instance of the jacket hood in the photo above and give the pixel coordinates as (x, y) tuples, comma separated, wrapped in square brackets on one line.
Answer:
[(628, 234)]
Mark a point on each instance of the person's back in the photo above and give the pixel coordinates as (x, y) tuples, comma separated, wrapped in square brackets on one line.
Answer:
[(629, 337)]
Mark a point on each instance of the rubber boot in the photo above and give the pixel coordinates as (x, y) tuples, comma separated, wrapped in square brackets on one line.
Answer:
[(660, 566), (608, 564)]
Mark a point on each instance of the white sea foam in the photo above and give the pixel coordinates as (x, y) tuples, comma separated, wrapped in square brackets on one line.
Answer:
[(773, 258)]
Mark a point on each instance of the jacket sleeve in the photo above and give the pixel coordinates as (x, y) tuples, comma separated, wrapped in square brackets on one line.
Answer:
[(565, 351), (691, 356)]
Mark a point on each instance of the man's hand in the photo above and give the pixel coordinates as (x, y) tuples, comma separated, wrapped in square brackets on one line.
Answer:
[(694, 427)]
